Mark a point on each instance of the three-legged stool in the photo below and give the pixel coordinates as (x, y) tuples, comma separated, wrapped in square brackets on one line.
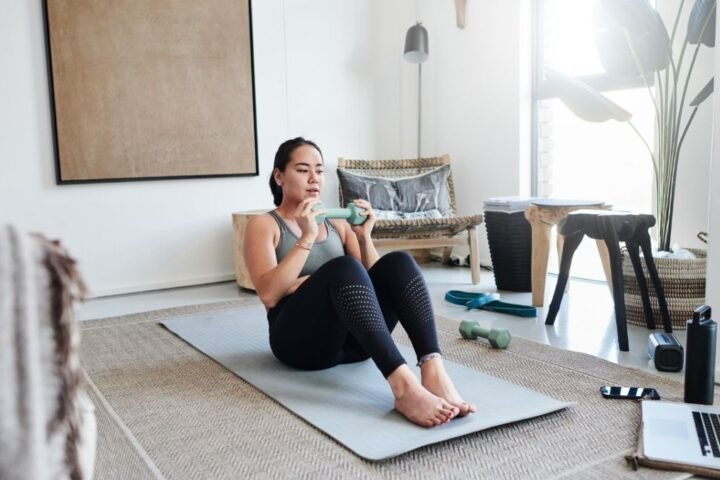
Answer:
[(613, 228), (542, 214)]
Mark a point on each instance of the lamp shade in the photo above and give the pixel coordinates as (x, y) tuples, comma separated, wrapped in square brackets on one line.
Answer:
[(416, 44)]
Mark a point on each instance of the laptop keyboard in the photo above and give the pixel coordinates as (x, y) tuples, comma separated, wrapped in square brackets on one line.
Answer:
[(707, 426)]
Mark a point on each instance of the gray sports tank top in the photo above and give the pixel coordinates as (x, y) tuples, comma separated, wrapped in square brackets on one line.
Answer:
[(321, 251)]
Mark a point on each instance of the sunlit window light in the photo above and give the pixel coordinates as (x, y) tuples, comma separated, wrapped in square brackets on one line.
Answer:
[(582, 160)]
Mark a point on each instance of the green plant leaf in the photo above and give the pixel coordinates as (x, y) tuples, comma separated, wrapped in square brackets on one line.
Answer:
[(583, 100), (622, 26), (701, 10), (704, 93)]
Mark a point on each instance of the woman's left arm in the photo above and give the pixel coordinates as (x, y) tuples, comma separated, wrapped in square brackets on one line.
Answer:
[(358, 241)]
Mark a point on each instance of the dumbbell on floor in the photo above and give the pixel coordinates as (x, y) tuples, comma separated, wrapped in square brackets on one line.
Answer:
[(351, 213), (497, 338)]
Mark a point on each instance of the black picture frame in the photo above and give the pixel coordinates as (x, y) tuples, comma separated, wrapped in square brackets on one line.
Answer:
[(151, 90)]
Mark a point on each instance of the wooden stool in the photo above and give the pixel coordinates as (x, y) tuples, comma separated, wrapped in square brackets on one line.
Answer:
[(542, 215), (613, 228), (240, 221)]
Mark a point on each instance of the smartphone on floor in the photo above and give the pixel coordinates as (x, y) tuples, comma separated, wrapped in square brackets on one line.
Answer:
[(630, 393)]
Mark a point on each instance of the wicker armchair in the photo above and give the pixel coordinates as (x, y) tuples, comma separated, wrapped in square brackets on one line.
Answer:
[(420, 233)]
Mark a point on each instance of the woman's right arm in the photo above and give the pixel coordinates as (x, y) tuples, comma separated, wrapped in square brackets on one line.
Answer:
[(272, 280)]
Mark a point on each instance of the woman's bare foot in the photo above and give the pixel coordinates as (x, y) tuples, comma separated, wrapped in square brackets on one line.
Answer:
[(416, 403), (437, 381)]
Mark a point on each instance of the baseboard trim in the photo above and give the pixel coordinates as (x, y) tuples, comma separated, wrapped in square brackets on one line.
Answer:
[(186, 282), (147, 287)]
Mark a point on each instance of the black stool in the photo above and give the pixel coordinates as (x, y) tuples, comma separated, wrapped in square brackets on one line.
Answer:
[(613, 228)]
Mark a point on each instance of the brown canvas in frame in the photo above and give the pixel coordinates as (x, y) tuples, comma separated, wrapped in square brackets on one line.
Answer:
[(151, 89)]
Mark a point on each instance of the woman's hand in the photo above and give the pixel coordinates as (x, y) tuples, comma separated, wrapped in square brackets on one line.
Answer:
[(361, 246), (363, 231), (305, 218)]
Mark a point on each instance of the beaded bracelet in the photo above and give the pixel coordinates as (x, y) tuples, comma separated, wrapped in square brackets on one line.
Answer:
[(304, 247), (428, 357)]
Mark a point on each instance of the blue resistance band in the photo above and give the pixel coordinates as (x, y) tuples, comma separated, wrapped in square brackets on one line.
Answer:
[(489, 302)]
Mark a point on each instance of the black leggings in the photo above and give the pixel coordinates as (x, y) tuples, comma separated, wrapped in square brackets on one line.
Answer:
[(344, 313)]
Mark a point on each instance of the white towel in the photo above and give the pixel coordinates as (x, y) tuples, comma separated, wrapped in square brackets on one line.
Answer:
[(39, 359)]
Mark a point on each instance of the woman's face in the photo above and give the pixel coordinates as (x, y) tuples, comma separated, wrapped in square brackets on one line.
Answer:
[(303, 176)]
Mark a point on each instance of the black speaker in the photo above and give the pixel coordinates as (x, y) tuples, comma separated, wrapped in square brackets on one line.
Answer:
[(666, 351)]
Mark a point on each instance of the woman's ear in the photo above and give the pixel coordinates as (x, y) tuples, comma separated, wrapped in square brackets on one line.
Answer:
[(277, 175)]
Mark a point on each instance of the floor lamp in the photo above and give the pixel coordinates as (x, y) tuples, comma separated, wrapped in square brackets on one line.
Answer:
[(416, 51)]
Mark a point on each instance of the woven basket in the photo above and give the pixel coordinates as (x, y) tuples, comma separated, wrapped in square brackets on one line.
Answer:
[(683, 281)]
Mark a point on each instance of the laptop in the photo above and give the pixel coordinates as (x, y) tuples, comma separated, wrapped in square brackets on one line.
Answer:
[(681, 433)]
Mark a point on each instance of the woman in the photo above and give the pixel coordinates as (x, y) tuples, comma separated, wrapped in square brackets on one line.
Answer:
[(332, 300)]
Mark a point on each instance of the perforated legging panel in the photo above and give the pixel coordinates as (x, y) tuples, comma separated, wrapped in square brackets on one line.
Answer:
[(415, 302), (357, 305), (342, 313), (404, 296)]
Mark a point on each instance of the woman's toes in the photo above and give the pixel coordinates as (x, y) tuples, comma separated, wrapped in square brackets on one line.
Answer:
[(454, 410)]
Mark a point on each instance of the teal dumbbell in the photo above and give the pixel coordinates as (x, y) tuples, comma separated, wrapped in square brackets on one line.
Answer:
[(351, 213), (497, 338)]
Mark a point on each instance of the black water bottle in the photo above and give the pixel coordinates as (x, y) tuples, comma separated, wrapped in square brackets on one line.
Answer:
[(700, 357)]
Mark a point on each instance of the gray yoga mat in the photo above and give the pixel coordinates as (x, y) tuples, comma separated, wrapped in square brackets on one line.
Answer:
[(351, 403)]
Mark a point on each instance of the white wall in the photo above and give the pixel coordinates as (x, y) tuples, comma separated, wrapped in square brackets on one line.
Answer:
[(691, 196), (126, 236), (143, 235), (712, 285), (713, 266), (327, 69), (475, 90)]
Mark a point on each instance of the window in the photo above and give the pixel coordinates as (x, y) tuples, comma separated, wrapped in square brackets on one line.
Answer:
[(578, 159)]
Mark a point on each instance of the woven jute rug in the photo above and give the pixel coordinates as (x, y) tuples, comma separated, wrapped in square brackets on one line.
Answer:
[(167, 411)]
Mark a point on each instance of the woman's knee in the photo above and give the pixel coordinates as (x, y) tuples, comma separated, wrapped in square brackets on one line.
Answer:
[(345, 267), (344, 264), (399, 257), (397, 262), (346, 261), (392, 272)]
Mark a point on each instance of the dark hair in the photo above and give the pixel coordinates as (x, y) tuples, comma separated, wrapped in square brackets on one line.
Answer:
[(282, 157)]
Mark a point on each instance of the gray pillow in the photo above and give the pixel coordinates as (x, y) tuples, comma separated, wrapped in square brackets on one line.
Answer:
[(395, 215), (419, 193)]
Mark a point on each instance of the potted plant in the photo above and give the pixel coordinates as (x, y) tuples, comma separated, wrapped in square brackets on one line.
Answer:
[(633, 43)]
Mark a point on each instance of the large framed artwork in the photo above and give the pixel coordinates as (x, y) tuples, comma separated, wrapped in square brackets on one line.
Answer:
[(151, 89)]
